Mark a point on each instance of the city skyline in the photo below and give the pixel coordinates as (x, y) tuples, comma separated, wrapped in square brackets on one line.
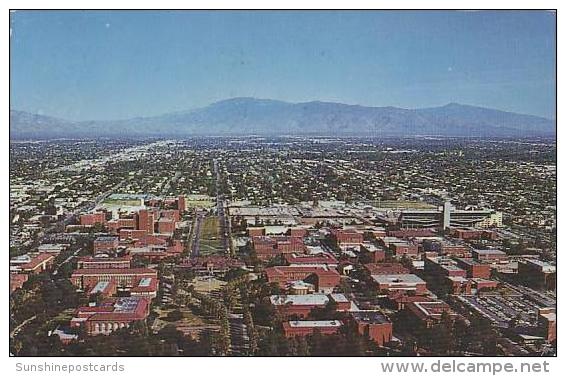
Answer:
[(116, 65)]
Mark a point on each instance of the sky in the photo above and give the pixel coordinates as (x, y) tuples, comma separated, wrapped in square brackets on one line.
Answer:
[(94, 65)]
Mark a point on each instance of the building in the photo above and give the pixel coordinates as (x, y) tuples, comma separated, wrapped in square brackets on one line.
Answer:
[(444, 275), (373, 324), (430, 312), (318, 260), (38, 264), (442, 266), (402, 248), (92, 219), (306, 328), (88, 278), (110, 315), (348, 236), (537, 274), (445, 248), (267, 247), (300, 306), (547, 323), (473, 268), (386, 268), (146, 287), (106, 244), (104, 288), (324, 279), (166, 226), (371, 253), (89, 262), (51, 248), (394, 283), (405, 233), (489, 255), (447, 216), (181, 204), (256, 231), (146, 221), (17, 281), (473, 234)]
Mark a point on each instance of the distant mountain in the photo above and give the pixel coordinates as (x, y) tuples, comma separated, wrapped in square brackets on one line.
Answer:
[(239, 116)]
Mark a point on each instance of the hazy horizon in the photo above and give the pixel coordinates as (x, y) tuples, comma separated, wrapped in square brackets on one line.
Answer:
[(275, 100)]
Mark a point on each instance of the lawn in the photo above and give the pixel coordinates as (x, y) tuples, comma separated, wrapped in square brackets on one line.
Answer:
[(210, 239)]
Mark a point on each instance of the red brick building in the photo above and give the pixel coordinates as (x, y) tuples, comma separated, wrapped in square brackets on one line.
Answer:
[(321, 259), (373, 324), (371, 252), (38, 264), (267, 247), (301, 305), (256, 231), (395, 283), (386, 268), (181, 204), (112, 314), (411, 233), (306, 328), (473, 268), (166, 226), (430, 312), (89, 262), (106, 244), (325, 280), (93, 218), (17, 281), (146, 221), (88, 278), (402, 248), (348, 236)]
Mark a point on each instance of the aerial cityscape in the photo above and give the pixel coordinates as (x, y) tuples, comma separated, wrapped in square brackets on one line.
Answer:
[(279, 227)]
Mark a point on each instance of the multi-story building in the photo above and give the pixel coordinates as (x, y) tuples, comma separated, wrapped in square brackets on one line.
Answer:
[(89, 262), (489, 255), (537, 274), (92, 219), (106, 244), (395, 283), (305, 328), (87, 278), (373, 324), (301, 305), (430, 312), (110, 315), (324, 280)]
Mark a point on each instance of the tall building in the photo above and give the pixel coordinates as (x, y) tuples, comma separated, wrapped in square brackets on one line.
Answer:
[(181, 205), (449, 217), (446, 215), (146, 221)]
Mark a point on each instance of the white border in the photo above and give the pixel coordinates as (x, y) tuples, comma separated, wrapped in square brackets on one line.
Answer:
[(256, 366)]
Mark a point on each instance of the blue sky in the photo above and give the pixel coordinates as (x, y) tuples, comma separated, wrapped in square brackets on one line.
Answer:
[(121, 64)]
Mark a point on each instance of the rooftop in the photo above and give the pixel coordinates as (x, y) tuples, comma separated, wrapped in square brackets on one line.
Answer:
[(370, 317), (315, 324), (310, 299), (397, 279)]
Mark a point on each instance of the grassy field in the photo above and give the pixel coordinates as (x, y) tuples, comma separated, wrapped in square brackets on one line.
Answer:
[(199, 201), (190, 324), (210, 239)]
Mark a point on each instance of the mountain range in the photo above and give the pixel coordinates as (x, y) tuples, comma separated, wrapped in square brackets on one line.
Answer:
[(245, 116)]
